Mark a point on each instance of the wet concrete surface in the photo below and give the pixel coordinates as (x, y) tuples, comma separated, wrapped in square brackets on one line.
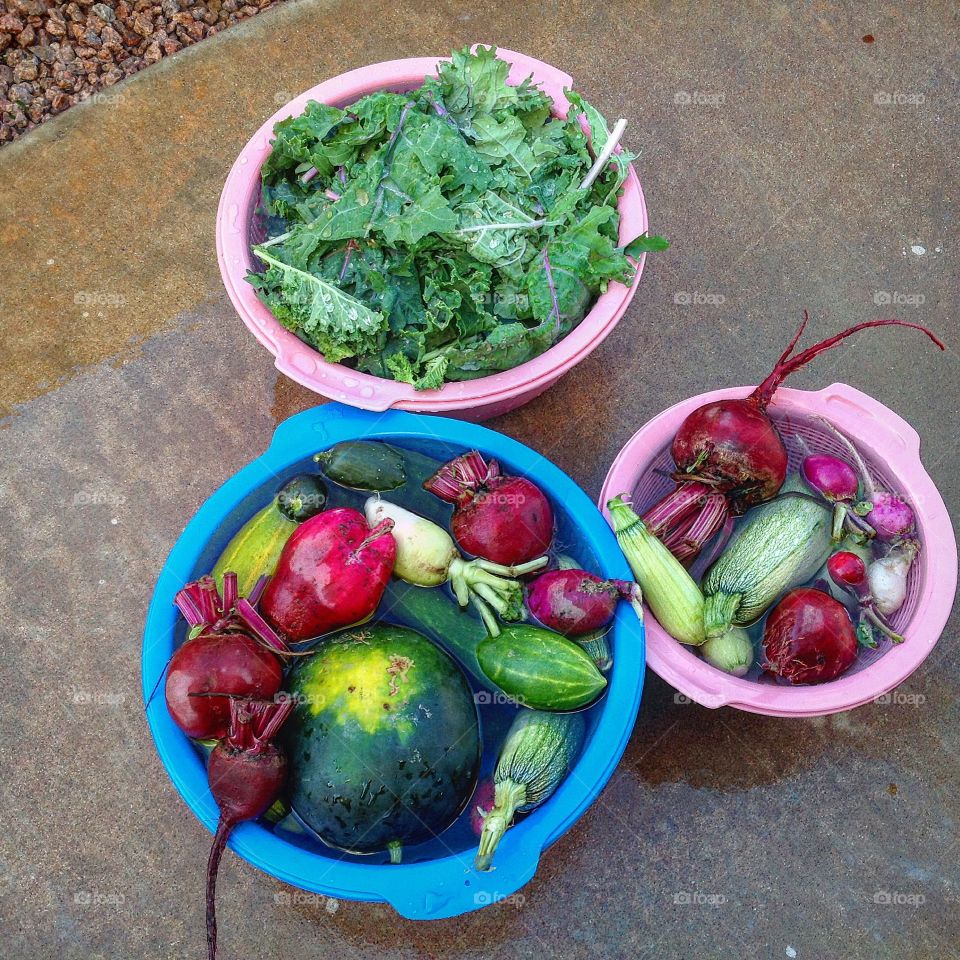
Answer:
[(792, 165)]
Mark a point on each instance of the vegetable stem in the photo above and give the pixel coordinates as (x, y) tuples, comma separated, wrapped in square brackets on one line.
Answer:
[(509, 797), (615, 134)]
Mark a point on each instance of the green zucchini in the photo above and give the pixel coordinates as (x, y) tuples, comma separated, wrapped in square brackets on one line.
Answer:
[(540, 669), (780, 545), (668, 590), (363, 465), (537, 754)]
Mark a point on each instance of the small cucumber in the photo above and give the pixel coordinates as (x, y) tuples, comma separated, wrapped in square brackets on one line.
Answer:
[(363, 465), (541, 669), (302, 497)]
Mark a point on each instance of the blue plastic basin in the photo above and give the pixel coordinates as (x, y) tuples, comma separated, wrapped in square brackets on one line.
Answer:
[(436, 888)]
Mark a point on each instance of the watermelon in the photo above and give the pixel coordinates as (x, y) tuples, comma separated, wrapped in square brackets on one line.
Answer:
[(384, 744)]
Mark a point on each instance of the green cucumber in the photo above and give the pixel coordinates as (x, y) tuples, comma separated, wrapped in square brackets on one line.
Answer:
[(255, 548), (302, 497), (780, 545), (435, 611), (537, 754), (541, 669), (363, 465)]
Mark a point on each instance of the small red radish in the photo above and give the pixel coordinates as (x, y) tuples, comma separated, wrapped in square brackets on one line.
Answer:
[(331, 574), (809, 637), (504, 519), (483, 801), (573, 602), (872, 590), (246, 773), (227, 656), (848, 570)]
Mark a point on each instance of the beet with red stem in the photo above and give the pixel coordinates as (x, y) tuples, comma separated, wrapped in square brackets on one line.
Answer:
[(505, 519), (246, 772), (231, 652), (734, 448)]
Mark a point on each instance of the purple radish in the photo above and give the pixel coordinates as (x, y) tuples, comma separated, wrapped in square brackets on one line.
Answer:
[(836, 481), (890, 516), (573, 602)]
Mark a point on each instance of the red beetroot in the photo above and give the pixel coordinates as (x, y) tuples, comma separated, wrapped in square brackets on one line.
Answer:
[(809, 637), (731, 447), (504, 519), (575, 601), (246, 773), (222, 663), (227, 656), (331, 574)]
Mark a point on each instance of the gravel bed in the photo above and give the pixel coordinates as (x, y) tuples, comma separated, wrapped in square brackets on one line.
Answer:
[(53, 55)]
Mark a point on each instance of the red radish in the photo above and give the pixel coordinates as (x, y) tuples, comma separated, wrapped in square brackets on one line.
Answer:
[(809, 637), (733, 448), (483, 801), (246, 773), (504, 519), (228, 656), (849, 572), (331, 574), (575, 601)]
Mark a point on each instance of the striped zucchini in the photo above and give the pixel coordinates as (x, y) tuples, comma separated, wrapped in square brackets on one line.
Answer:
[(668, 590), (537, 754), (780, 545)]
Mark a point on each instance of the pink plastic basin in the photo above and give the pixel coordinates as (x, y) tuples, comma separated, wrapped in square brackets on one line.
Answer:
[(237, 229), (891, 448)]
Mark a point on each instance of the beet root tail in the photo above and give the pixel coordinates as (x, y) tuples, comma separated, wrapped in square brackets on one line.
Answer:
[(213, 866)]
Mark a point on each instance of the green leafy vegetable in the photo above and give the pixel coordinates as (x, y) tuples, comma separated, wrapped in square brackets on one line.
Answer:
[(441, 234)]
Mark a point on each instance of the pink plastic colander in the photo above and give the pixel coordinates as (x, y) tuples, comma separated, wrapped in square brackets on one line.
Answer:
[(891, 448), (238, 228)]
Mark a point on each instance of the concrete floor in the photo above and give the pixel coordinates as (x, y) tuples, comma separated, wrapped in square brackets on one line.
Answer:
[(792, 164)]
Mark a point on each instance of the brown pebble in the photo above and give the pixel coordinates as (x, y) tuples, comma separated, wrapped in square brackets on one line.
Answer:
[(45, 54), (27, 70), (5, 40), (153, 53), (171, 46), (26, 36), (10, 23), (60, 102), (56, 28)]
